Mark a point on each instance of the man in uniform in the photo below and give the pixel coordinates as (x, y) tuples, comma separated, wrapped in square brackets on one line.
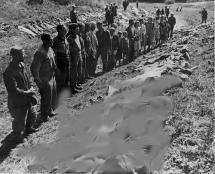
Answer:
[(21, 98), (61, 50), (73, 15), (172, 22), (43, 69), (104, 43)]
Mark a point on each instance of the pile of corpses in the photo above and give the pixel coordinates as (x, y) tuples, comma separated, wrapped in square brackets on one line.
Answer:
[(125, 133)]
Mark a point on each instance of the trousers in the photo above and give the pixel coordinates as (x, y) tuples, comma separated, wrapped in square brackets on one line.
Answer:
[(104, 56), (48, 94), (23, 117)]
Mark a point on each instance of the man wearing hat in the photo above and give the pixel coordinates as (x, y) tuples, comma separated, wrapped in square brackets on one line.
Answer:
[(21, 96), (43, 69), (75, 47), (73, 15)]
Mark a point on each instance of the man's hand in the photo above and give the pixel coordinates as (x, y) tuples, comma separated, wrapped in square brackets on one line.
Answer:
[(30, 92), (39, 83)]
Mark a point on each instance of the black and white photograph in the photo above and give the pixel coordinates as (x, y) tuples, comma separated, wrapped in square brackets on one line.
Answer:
[(107, 87)]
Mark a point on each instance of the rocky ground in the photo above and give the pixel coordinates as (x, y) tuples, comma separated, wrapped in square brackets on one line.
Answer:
[(190, 125)]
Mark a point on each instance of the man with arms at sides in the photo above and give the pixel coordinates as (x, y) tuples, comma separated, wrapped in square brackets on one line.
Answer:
[(43, 69)]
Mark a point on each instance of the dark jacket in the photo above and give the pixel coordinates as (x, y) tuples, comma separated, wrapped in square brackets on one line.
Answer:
[(114, 43), (172, 21), (104, 41), (130, 33), (125, 45), (17, 82), (73, 17)]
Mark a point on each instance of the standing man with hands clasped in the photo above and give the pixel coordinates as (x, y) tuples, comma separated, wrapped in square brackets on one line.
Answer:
[(21, 96)]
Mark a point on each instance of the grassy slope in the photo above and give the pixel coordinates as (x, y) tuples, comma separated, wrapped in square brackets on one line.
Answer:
[(193, 146)]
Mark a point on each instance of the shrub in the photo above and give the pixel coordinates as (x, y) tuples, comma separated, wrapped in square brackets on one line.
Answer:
[(168, 2)]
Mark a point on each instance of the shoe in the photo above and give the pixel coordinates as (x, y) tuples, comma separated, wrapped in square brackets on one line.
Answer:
[(30, 131), (52, 114), (14, 137), (90, 77), (78, 87)]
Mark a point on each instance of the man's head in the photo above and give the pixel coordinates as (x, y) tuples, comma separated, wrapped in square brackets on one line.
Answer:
[(112, 31), (114, 25), (119, 33), (81, 27), (17, 54), (99, 26), (62, 31), (137, 24), (125, 34), (47, 40), (87, 27), (172, 15), (73, 7), (131, 22), (92, 26), (74, 28)]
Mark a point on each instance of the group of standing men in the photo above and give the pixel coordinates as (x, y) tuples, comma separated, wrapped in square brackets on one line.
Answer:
[(110, 13), (68, 61)]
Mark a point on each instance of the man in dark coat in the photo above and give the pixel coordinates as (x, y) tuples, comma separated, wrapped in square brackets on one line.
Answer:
[(73, 15), (43, 69), (113, 49), (172, 22), (158, 12), (167, 11), (61, 50), (21, 98), (115, 7), (130, 31), (204, 15), (104, 43), (162, 12)]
